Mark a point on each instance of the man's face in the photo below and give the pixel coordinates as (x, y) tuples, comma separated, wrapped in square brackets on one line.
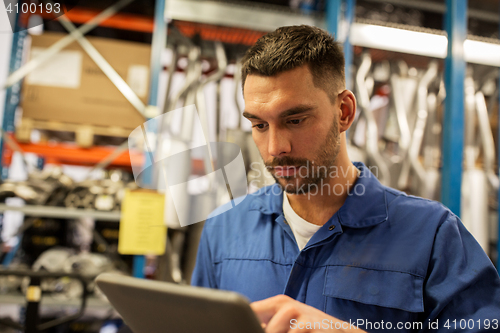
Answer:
[(295, 127)]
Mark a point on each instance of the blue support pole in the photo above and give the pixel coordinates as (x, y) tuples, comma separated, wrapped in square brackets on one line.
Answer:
[(333, 17), (350, 13), (138, 263), (453, 126), (334, 23), (158, 45), (13, 93), (9, 257)]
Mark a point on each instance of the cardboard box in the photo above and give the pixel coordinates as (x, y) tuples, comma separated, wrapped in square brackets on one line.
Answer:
[(70, 88)]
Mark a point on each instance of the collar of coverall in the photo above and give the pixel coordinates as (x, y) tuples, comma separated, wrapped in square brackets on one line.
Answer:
[(366, 205)]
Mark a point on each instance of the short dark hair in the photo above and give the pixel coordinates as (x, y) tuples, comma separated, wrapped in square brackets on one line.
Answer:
[(290, 47)]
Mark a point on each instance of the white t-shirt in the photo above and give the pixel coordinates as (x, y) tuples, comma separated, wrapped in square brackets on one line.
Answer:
[(302, 230)]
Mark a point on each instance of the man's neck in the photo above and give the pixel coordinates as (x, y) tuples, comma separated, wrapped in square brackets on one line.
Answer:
[(326, 201)]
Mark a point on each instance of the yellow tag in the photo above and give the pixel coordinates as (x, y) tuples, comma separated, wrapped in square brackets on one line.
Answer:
[(142, 230), (33, 294)]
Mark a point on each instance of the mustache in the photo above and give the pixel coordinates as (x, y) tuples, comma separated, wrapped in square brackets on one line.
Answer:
[(286, 161)]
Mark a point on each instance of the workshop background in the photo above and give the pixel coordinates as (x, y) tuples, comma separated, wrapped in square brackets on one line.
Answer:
[(86, 136)]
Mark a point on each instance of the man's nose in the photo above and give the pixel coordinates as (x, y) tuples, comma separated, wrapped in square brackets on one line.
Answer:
[(279, 144)]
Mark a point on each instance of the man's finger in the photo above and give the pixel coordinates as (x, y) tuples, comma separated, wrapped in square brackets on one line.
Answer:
[(282, 319), (266, 308)]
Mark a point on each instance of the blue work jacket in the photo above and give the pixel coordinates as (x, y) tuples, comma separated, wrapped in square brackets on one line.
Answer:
[(385, 261)]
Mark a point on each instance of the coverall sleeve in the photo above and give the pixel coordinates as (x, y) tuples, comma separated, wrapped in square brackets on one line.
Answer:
[(462, 289)]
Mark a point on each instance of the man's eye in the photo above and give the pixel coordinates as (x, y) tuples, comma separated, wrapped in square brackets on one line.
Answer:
[(260, 126), (296, 121)]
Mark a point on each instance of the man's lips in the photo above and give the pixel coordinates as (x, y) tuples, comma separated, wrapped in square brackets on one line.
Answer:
[(284, 171)]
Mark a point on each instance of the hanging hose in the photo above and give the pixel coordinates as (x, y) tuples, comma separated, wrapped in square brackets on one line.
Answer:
[(372, 132), (487, 141), (412, 162)]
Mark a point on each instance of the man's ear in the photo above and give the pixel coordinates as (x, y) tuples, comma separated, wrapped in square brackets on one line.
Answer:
[(347, 104)]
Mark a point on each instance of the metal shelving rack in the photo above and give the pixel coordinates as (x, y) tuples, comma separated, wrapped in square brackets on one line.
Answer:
[(242, 15), (13, 98), (11, 103), (94, 304), (238, 14), (266, 18), (63, 213), (453, 123)]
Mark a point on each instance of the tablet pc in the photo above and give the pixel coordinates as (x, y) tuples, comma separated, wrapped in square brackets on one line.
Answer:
[(149, 306)]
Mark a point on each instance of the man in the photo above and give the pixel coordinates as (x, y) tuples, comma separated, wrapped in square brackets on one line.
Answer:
[(343, 252)]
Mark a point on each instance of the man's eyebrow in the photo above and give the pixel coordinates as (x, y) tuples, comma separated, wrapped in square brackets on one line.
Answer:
[(248, 115), (296, 110), (290, 112)]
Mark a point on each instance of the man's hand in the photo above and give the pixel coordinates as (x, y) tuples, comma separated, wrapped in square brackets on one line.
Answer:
[(282, 314)]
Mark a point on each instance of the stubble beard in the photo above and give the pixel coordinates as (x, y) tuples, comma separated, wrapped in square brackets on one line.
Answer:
[(309, 173)]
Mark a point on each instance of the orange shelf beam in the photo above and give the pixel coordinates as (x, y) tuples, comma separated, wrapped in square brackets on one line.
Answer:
[(65, 153), (142, 23), (219, 33), (71, 154), (118, 21)]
